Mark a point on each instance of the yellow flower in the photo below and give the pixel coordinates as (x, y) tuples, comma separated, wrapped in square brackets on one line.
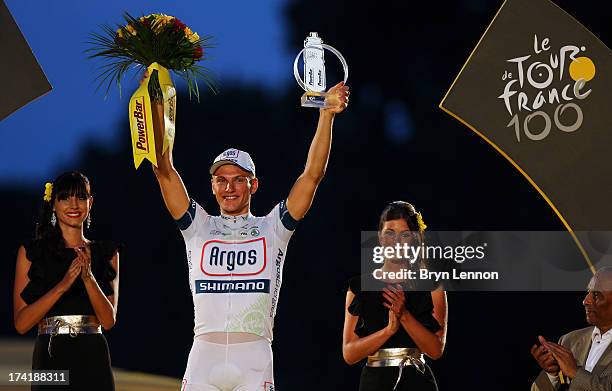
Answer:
[(157, 26), (420, 222), (157, 16), (160, 22), (120, 33), (130, 29), (48, 191), (191, 36)]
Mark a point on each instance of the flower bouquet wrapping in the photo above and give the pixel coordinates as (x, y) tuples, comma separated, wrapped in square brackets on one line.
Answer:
[(157, 43)]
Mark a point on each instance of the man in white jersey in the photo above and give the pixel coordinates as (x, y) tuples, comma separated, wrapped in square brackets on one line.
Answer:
[(235, 260)]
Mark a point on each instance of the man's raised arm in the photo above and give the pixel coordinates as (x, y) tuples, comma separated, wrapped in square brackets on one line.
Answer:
[(172, 187), (303, 191)]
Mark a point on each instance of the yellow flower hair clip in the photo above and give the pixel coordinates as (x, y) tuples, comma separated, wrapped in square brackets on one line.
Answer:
[(48, 191), (420, 222)]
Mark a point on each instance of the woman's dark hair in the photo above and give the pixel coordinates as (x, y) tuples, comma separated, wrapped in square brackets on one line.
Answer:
[(400, 210), (404, 210), (68, 184)]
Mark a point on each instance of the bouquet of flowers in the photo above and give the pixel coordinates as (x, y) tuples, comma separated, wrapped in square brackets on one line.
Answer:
[(157, 43)]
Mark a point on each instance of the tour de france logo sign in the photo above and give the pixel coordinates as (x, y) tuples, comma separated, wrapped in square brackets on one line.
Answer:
[(537, 86), (548, 84)]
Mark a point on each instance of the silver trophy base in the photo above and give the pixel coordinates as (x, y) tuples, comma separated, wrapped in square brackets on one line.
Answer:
[(314, 99)]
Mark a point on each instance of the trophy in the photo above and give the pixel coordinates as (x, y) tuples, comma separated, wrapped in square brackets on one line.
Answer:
[(314, 71)]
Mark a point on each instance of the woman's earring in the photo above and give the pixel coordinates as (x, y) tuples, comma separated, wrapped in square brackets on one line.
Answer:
[(53, 219), (88, 220)]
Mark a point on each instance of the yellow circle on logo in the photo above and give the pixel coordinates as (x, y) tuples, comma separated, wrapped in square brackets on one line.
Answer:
[(582, 68)]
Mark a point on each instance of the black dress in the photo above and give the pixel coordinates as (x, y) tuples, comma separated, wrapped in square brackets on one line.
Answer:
[(374, 316), (86, 356)]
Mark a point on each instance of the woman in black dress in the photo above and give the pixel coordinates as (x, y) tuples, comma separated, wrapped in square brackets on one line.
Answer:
[(392, 323), (68, 286)]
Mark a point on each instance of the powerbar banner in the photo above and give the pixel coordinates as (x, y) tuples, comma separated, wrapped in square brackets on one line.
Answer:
[(27, 80), (537, 88), (152, 125)]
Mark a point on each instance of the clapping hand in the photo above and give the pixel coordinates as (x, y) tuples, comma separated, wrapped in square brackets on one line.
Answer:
[(84, 257), (393, 324), (545, 359), (563, 356), (395, 300), (73, 272)]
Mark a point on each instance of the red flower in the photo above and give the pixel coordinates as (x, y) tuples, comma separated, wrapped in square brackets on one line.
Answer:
[(178, 25), (197, 53)]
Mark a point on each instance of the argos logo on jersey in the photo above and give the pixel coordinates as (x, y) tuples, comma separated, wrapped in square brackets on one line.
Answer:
[(225, 258)]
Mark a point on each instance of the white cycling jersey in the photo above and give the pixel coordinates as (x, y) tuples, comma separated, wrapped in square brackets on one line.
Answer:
[(235, 268)]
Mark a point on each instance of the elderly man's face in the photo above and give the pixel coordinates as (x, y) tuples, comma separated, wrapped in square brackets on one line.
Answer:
[(598, 301)]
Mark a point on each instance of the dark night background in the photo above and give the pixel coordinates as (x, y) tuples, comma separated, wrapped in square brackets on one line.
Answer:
[(400, 69)]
